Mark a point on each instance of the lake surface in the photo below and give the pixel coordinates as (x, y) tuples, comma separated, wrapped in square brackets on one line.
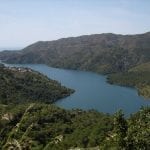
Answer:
[(92, 91)]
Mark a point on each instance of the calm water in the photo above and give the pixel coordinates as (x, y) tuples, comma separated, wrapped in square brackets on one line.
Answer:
[(93, 92)]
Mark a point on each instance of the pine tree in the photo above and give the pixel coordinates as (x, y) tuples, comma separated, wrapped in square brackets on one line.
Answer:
[(120, 129)]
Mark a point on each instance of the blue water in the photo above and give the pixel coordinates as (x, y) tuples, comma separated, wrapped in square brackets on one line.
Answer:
[(92, 91)]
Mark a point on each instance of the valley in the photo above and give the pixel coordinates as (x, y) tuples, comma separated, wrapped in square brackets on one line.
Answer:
[(92, 118), (101, 53)]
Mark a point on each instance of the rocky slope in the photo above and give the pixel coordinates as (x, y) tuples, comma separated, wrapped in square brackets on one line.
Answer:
[(104, 53)]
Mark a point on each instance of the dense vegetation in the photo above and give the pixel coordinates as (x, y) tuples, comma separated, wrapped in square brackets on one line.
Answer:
[(138, 77), (47, 127), (34, 125), (19, 85)]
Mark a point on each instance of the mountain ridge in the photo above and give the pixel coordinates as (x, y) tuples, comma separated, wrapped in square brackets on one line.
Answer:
[(102, 53)]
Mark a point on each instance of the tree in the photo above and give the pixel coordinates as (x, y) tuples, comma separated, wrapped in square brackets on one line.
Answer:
[(120, 129)]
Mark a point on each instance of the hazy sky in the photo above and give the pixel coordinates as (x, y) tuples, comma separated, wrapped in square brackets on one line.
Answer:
[(23, 22)]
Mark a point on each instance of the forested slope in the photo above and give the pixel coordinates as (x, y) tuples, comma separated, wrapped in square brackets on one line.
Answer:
[(47, 127), (19, 85)]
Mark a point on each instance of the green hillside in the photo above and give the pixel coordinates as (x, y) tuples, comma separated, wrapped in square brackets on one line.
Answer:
[(138, 77), (47, 127), (141, 68), (19, 85), (26, 123)]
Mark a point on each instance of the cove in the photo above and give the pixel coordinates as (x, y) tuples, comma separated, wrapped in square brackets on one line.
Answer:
[(92, 91)]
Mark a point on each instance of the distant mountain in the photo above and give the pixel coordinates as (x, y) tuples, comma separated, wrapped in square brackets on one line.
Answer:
[(10, 48), (102, 53)]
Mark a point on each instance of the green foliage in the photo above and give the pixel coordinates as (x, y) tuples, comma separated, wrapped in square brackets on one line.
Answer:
[(138, 134), (129, 134), (43, 126), (120, 129), (21, 85)]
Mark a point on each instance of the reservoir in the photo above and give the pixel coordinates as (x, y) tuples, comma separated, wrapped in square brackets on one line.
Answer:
[(92, 91)]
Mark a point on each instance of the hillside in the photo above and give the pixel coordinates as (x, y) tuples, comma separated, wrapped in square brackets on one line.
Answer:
[(102, 53), (138, 76), (47, 127), (19, 85)]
